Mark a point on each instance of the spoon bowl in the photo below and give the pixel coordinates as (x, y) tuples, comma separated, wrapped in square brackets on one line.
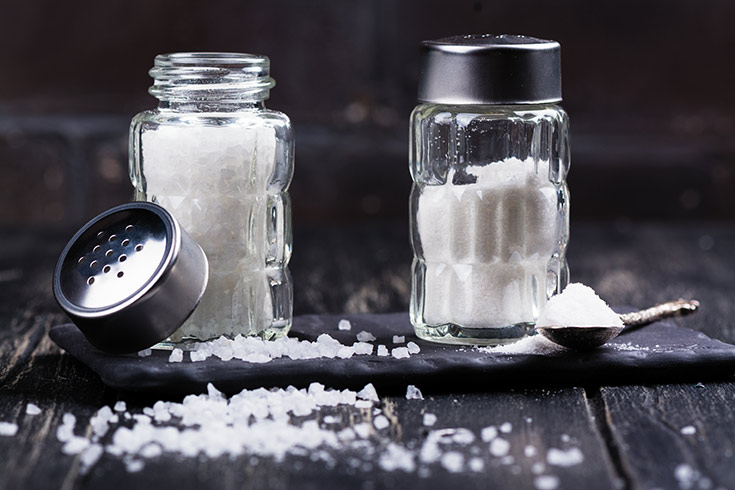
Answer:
[(589, 337)]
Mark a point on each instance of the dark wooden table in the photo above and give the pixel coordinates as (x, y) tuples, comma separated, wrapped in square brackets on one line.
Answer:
[(630, 435)]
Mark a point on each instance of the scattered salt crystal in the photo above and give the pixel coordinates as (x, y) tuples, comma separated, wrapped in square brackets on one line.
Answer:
[(578, 305), (134, 466), (362, 348), (453, 461), (381, 422), (151, 451), (429, 419), (120, 406), (489, 433), (32, 409), (363, 404), (537, 468), (463, 437), (506, 427), (413, 393), (413, 348), (345, 352), (75, 445), (368, 393), (177, 355), (90, 456), (8, 429), (560, 457), (685, 475), (507, 460), (688, 430), (69, 419), (546, 482), (529, 420), (365, 336), (396, 457), (499, 447), (476, 465), (331, 419), (530, 451), (145, 353), (382, 351), (362, 430), (344, 325), (400, 353), (565, 438), (197, 356), (399, 339)]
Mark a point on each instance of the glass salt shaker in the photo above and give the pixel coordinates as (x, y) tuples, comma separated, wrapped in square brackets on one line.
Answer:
[(489, 206), (221, 163)]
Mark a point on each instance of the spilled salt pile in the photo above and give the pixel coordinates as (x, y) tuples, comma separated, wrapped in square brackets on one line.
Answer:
[(535, 344), (256, 350), (578, 305), (318, 423)]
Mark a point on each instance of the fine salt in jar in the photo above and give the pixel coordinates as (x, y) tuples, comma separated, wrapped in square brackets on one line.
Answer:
[(489, 206), (221, 163)]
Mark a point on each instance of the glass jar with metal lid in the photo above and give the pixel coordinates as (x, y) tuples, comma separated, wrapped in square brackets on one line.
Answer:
[(489, 158)]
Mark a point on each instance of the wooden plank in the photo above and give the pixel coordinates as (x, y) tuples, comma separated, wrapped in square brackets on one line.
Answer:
[(647, 427)]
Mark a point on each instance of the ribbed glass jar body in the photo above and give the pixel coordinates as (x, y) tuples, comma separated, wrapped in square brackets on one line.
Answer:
[(221, 163), (489, 219)]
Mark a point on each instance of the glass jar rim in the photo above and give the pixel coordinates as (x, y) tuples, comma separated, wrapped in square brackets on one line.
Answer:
[(190, 76)]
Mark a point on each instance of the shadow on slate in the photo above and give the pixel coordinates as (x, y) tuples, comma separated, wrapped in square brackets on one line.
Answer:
[(666, 353)]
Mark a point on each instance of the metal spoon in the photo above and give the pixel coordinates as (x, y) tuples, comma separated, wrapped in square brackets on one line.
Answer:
[(586, 338)]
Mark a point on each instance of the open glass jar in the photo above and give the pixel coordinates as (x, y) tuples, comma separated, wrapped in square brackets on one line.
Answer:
[(489, 205), (221, 163)]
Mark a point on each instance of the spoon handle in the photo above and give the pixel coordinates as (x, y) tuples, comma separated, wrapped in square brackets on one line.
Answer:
[(664, 310)]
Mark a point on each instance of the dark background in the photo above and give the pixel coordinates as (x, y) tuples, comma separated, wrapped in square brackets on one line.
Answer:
[(649, 87)]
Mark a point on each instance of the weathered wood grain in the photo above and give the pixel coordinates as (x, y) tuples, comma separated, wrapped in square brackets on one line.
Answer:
[(646, 424)]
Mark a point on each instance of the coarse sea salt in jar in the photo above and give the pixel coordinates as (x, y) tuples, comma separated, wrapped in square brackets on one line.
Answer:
[(489, 205), (221, 163)]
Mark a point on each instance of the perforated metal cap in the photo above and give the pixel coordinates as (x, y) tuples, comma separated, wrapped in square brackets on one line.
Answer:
[(130, 277), (488, 69)]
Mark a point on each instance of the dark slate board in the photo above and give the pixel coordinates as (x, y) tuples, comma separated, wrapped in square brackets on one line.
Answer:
[(675, 354)]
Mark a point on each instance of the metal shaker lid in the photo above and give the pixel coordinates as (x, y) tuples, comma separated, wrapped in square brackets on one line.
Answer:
[(488, 69), (130, 277)]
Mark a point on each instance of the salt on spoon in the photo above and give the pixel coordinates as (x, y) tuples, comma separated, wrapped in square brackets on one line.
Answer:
[(578, 319)]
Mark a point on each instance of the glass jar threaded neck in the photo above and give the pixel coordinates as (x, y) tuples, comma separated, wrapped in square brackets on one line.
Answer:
[(211, 79)]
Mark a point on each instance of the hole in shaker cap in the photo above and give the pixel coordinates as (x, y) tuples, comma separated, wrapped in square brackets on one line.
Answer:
[(129, 227), (138, 248), (99, 235), (123, 258), (106, 269), (90, 281), (112, 238), (93, 264), (96, 248), (81, 260), (125, 242), (120, 274), (108, 253)]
